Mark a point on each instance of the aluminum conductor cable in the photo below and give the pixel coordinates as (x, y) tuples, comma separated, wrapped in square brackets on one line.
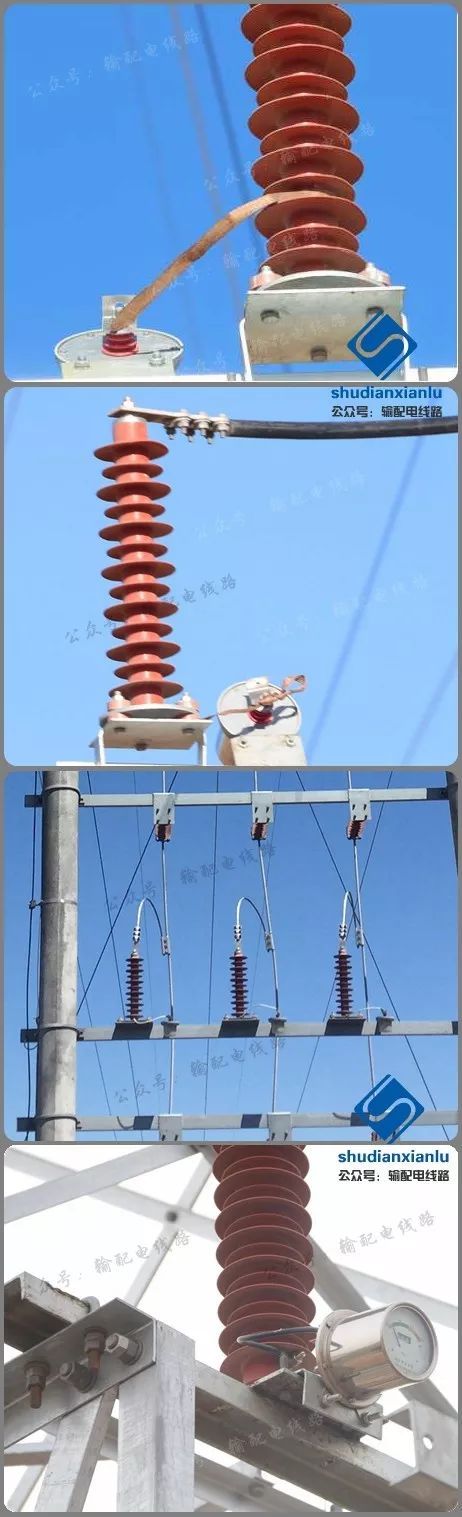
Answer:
[(167, 950), (361, 942), (343, 981), (271, 949)]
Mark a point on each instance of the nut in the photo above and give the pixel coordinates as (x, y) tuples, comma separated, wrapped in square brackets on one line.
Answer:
[(36, 1375), (126, 1349), (76, 1374)]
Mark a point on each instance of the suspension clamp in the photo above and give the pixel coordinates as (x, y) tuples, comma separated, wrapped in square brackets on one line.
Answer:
[(359, 802), (164, 817), (277, 1025), (169, 1026), (262, 813)]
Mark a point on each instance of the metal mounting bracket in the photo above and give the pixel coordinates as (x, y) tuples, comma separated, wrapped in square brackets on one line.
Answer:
[(304, 1389), (170, 1127), (59, 1397), (279, 1126), (262, 812)]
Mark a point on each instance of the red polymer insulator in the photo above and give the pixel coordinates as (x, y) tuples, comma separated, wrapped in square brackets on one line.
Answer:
[(264, 1253), (304, 121), (238, 963), (134, 986), (343, 982), (135, 531), (261, 715), (118, 344)]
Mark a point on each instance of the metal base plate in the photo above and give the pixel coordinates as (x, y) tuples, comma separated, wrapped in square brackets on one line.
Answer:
[(239, 1027), (344, 1027), (300, 314), (263, 747), (147, 732), (126, 1028)]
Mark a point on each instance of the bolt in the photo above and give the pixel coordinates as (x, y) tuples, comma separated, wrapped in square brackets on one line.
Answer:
[(76, 1374), (36, 1378), (318, 355), (243, 742), (94, 1343), (126, 1349), (289, 742), (374, 311)]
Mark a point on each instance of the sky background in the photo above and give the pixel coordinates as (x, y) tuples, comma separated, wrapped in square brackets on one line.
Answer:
[(334, 558), (106, 179), (409, 905), (70, 1242)]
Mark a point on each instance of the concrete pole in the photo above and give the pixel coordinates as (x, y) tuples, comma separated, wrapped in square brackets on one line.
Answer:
[(56, 1055), (451, 781)]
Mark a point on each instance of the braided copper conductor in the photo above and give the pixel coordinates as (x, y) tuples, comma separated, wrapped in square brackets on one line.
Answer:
[(343, 982), (134, 536), (134, 1000), (264, 1253), (304, 121), (238, 963)]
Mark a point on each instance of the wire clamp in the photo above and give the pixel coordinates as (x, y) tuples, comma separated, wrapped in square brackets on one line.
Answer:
[(169, 1026), (277, 1025), (262, 813), (164, 816), (359, 802)]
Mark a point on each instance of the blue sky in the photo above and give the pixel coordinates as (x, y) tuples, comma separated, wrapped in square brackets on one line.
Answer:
[(286, 533), (105, 181), (409, 906)]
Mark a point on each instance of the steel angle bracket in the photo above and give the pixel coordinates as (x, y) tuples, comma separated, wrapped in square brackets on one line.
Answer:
[(279, 1126), (59, 1397), (305, 1390), (171, 1127), (434, 1479)]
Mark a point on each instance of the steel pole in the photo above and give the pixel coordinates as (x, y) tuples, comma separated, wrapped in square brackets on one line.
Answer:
[(451, 780), (56, 1054)]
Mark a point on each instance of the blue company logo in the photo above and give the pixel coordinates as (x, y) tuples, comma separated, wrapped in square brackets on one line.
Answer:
[(389, 1108), (381, 345)]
